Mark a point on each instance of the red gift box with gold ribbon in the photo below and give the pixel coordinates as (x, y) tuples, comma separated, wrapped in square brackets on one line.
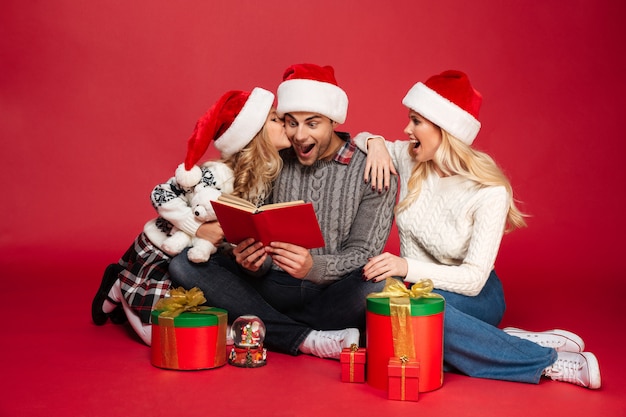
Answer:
[(353, 364), (403, 379), (405, 322), (187, 336)]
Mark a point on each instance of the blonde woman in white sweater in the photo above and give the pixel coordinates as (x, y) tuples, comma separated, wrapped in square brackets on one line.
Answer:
[(455, 205)]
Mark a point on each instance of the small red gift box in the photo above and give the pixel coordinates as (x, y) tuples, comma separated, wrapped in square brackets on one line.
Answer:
[(353, 364), (403, 377)]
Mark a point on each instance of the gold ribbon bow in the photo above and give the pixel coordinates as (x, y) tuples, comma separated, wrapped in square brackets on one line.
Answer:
[(400, 308), (181, 300), (396, 288)]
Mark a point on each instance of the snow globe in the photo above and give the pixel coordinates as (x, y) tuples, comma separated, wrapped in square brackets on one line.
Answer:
[(248, 333)]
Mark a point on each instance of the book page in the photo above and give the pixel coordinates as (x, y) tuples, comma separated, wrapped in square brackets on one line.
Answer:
[(279, 205), (237, 202), (234, 201)]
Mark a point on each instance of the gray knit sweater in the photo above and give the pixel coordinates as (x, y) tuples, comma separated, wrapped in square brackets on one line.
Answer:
[(354, 220)]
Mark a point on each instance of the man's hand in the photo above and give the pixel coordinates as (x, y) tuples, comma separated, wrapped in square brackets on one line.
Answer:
[(293, 259), (250, 254)]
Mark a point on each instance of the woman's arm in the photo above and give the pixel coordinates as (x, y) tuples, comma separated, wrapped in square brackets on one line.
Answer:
[(382, 159), (171, 202)]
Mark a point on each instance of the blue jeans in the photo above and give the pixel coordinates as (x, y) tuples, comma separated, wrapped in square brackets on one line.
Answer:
[(289, 307), (474, 346)]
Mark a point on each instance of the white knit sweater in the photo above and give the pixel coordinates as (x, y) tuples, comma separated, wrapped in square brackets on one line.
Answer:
[(172, 203), (452, 232)]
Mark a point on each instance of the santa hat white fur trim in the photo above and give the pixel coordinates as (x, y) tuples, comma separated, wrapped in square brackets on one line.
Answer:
[(247, 124), (442, 112), (188, 179), (303, 95)]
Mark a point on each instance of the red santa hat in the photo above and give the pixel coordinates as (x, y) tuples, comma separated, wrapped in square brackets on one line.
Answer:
[(312, 88), (231, 123), (449, 101)]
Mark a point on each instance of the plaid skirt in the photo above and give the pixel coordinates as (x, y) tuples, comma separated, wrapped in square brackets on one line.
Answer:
[(145, 278)]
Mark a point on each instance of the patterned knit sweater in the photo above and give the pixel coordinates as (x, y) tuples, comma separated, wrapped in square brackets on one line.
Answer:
[(172, 203), (452, 232), (355, 221)]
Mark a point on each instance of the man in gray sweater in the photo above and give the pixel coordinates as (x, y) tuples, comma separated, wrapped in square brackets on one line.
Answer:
[(311, 301)]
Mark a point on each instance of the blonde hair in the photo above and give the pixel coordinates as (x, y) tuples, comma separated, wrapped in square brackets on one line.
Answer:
[(457, 158), (255, 168)]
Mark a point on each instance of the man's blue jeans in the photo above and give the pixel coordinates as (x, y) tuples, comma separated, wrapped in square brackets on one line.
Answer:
[(289, 307)]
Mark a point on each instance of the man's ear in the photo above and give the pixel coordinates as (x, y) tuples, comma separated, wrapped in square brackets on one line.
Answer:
[(334, 124)]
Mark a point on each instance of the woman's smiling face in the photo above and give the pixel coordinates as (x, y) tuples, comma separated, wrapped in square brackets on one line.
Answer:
[(424, 136)]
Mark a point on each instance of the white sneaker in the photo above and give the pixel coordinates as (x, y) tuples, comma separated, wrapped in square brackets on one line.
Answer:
[(329, 343), (560, 340), (576, 368)]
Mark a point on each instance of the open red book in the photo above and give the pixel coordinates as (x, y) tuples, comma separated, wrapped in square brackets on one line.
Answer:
[(293, 222)]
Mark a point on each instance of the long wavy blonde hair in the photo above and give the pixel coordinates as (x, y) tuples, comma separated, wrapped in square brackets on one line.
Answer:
[(457, 158), (255, 168)]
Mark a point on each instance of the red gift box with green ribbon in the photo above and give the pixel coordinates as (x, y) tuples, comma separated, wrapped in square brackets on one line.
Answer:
[(405, 322), (186, 335)]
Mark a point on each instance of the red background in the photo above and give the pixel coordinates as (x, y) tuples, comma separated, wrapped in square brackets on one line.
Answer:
[(98, 99)]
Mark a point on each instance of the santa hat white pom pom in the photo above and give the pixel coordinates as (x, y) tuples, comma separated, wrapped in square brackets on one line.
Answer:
[(188, 179)]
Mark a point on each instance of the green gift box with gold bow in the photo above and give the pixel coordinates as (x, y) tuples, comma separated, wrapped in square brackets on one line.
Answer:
[(186, 335)]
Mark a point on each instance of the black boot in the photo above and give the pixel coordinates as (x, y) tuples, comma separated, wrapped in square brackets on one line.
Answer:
[(98, 316)]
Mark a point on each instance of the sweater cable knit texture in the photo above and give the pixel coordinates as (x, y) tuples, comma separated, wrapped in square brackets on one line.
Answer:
[(355, 220), (452, 232)]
